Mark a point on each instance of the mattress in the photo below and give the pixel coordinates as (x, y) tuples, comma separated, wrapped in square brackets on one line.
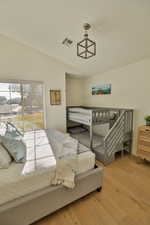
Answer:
[(79, 117), (81, 114), (14, 185), (80, 110)]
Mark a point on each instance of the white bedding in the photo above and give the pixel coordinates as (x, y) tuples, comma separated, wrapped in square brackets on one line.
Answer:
[(45, 147), (14, 185), (39, 151), (80, 110), (84, 116), (79, 117)]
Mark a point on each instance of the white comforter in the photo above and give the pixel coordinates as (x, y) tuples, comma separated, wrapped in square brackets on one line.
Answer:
[(50, 148)]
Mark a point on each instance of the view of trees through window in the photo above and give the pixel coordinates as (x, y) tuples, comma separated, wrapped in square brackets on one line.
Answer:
[(22, 104)]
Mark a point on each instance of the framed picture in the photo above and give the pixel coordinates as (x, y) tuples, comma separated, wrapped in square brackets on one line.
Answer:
[(55, 97), (102, 89)]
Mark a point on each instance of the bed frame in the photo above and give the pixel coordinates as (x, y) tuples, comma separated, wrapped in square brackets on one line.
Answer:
[(97, 116), (30, 208), (119, 137)]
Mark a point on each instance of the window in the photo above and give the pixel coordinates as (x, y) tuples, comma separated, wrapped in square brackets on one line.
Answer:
[(22, 104)]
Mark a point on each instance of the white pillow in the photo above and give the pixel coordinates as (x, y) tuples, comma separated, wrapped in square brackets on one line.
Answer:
[(5, 158)]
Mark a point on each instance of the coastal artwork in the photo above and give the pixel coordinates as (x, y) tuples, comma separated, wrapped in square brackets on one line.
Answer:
[(102, 89)]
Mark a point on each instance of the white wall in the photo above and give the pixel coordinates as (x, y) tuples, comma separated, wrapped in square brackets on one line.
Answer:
[(130, 89), (74, 91), (130, 84), (21, 62)]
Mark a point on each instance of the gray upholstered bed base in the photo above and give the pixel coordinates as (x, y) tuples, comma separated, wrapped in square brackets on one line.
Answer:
[(28, 209)]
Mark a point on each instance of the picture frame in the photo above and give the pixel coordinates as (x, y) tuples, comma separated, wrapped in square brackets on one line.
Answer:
[(55, 97), (104, 89)]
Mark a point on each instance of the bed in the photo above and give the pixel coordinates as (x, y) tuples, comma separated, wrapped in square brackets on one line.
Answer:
[(81, 121), (92, 116), (25, 199)]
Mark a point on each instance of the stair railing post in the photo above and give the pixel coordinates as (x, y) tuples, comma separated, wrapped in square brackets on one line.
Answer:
[(91, 131)]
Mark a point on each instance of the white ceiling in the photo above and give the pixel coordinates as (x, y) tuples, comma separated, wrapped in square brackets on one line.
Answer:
[(121, 29)]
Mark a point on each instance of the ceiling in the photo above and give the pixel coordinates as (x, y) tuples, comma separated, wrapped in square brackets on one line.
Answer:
[(121, 29)]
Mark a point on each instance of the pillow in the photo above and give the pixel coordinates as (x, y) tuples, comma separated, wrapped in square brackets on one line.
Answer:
[(16, 148), (12, 131), (12, 134), (5, 158)]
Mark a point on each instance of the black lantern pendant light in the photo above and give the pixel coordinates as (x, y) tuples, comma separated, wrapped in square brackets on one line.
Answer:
[(86, 48)]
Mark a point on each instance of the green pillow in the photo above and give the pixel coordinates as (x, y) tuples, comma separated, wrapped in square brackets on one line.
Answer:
[(16, 148), (12, 131), (12, 134)]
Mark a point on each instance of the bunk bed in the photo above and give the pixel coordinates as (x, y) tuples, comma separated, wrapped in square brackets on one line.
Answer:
[(92, 116), (120, 128)]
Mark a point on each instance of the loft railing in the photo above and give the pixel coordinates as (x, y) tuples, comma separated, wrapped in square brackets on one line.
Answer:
[(120, 132)]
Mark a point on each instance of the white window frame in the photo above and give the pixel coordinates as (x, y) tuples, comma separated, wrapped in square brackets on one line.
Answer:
[(15, 81)]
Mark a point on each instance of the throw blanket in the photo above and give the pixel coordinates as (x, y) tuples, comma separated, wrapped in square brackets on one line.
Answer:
[(65, 150), (52, 149)]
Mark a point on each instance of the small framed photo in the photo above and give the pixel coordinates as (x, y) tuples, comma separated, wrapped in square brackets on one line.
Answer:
[(55, 97), (102, 89)]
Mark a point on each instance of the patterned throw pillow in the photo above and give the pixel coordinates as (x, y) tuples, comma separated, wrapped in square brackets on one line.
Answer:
[(16, 148), (5, 158)]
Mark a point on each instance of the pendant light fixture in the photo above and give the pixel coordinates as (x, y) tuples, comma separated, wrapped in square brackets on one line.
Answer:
[(86, 48)]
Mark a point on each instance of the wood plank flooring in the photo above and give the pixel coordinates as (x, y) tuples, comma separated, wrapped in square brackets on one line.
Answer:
[(124, 199)]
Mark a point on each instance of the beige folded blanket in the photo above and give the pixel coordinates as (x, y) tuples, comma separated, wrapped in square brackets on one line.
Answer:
[(66, 163), (65, 172)]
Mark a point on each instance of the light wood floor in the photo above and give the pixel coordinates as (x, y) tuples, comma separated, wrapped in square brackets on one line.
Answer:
[(124, 200)]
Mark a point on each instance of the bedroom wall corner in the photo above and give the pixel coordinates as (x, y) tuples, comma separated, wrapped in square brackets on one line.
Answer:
[(130, 89), (74, 90), (18, 61)]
